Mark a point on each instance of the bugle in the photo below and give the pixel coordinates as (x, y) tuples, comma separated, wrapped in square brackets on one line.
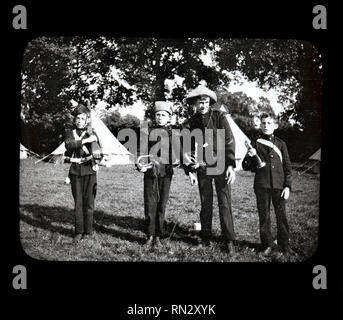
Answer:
[(143, 167), (259, 162)]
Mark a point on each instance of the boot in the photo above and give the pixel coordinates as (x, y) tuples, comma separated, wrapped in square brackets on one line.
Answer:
[(77, 238), (230, 248), (267, 251), (158, 243), (149, 242), (88, 236)]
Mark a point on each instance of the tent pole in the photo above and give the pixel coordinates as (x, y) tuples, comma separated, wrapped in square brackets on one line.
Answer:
[(42, 158)]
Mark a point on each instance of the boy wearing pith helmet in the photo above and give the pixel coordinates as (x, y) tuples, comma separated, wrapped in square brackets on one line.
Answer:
[(82, 172), (157, 174), (207, 118), (272, 182)]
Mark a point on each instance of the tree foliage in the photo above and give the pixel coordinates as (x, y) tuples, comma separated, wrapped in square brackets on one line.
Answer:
[(242, 108), (45, 107), (123, 70), (293, 66), (115, 121)]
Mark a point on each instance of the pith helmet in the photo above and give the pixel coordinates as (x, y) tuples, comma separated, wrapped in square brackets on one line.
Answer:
[(200, 91)]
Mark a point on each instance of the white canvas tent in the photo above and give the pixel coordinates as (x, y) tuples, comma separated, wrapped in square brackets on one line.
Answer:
[(240, 139), (114, 152), (24, 153), (57, 156), (316, 156), (313, 163)]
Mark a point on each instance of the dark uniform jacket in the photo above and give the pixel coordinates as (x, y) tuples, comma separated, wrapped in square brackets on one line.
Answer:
[(164, 169), (74, 148), (276, 174), (214, 119)]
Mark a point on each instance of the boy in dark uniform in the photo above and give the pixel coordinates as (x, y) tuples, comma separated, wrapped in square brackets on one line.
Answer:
[(157, 179), (272, 182), (82, 172), (207, 118)]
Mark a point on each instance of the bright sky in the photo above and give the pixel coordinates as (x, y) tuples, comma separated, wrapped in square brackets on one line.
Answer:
[(137, 109)]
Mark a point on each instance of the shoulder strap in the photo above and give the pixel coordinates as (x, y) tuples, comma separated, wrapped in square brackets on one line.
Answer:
[(77, 137), (271, 145)]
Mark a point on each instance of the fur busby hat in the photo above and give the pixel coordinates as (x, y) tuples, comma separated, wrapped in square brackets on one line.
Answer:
[(163, 106), (80, 108)]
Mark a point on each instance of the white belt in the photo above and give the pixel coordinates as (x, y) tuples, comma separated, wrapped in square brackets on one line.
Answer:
[(80, 160)]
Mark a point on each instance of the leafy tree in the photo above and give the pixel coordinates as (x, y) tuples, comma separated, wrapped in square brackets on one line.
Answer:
[(115, 122), (93, 74), (263, 106), (45, 107), (292, 65), (123, 70), (56, 70), (237, 103), (147, 62)]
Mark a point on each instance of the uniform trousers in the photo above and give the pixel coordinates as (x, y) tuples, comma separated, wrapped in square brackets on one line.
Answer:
[(264, 198), (84, 192), (156, 194), (224, 202)]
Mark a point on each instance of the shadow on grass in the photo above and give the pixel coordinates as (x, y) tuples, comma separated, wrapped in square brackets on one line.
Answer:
[(45, 217), (180, 233), (53, 219)]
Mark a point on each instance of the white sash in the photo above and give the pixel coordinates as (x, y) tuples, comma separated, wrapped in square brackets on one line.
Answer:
[(271, 145), (77, 137)]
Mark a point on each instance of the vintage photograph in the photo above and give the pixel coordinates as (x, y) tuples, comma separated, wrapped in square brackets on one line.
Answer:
[(170, 149)]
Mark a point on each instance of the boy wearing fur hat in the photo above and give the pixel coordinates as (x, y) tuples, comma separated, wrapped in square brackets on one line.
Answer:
[(82, 172), (157, 176), (272, 182)]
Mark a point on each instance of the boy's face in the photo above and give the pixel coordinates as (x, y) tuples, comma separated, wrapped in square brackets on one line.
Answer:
[(81, 120), (162, 118), (202, 104), (268, 126), (257, 122)]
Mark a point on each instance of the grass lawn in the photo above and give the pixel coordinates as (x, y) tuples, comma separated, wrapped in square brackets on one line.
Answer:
[(47, 220)]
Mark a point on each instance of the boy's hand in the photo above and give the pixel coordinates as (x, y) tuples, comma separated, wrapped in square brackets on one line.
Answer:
[(252, 152), (285, 193), (96, 154), (91, 138), (141, 168), (230, 175), (193, 179)]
